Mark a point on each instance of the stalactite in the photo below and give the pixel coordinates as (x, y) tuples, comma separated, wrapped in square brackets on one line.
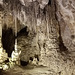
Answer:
[(15, 31), (47, 21), (0, 28)]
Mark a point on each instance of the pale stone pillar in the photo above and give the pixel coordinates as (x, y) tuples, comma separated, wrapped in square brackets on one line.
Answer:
[(1, 23)]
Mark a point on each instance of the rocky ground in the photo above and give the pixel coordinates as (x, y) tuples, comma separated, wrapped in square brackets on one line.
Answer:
[(68, 68), (28, 70)]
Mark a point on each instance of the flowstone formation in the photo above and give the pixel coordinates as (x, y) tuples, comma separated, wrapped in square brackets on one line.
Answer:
[(66, 17)]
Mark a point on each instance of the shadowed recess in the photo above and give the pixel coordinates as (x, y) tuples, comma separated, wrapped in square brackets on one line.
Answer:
[(8, 40), (23, 32)]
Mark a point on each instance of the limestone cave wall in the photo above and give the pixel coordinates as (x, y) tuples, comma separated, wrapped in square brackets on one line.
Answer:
[(44, 28), (66, 17)]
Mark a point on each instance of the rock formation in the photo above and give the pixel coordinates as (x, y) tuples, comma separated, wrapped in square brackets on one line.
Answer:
[(45, 29)]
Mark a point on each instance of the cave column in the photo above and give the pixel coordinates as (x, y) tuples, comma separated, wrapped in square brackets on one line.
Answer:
[(1, 22), (16, 53)]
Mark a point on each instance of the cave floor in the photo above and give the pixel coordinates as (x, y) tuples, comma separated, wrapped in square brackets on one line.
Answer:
[(28, 70)]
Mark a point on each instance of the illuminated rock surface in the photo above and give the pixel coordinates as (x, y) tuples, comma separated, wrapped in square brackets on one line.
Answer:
[(46, 31)]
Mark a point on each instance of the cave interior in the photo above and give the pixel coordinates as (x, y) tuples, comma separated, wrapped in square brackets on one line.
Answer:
[(37, 37)]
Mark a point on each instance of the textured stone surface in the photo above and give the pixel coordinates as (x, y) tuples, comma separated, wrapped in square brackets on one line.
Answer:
[(3, 55), (44, 32), (66, 18)]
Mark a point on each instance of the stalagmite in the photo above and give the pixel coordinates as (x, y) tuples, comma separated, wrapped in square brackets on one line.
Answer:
[(15, 33), (47, 29), (15, 53)]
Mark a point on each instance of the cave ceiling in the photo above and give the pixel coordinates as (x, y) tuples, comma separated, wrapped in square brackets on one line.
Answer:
[(25, 10)]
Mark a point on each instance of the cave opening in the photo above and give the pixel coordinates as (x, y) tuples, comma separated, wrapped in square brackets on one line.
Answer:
[(8, 40), (22, 32)]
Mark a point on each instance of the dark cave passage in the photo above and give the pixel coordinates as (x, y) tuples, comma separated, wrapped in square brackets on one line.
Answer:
[(8, 40), (23, 31)]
